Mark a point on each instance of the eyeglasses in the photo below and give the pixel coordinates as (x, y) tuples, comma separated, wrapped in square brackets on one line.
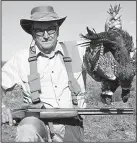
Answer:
[(50, 30)]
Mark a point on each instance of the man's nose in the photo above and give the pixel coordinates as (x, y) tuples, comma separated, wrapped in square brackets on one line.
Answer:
[(46, 35)]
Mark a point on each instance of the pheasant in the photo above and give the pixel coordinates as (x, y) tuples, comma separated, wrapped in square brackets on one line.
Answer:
[(107, 59)]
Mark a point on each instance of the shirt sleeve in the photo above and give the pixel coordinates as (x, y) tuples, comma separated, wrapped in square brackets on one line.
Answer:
[(10, 73)]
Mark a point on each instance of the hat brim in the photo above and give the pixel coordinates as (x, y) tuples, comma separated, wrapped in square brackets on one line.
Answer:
[(26, 24)]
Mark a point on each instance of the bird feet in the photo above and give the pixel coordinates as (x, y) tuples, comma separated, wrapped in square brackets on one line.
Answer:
[(106, 99), (125, 95)]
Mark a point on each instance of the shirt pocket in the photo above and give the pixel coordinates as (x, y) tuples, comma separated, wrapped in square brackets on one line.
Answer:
[(25, 81), (24, 77)]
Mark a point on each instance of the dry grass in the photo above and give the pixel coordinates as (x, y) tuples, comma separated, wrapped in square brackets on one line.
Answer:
[(99, 128)]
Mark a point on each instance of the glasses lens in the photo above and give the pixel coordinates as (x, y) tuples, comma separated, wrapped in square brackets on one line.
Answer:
[(39, 33), (51, 30)]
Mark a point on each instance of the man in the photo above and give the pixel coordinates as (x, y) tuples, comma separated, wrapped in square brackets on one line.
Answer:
[(51, 89), (55, 93)]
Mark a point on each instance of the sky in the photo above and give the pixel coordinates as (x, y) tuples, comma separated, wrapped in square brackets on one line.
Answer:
[(80, 14)]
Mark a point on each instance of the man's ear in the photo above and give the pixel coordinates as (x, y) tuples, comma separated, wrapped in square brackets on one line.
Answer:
[(32, 31), (33, 34), (58, 32)]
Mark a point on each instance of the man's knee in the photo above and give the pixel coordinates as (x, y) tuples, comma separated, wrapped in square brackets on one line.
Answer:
[(31, 129)]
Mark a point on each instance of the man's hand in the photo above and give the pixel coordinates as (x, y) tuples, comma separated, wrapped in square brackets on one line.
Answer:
[(6, 115), (114, 20)]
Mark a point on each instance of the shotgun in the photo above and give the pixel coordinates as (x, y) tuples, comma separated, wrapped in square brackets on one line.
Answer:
[(56, 113)]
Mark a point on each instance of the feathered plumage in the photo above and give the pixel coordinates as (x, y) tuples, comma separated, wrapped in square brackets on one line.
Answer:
[(117, 44)]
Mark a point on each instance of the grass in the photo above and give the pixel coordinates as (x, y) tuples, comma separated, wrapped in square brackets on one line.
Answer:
[(98, 128)]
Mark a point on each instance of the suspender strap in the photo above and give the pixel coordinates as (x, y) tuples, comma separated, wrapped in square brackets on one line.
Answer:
[(73, 84), (34, 82), (34, 77)]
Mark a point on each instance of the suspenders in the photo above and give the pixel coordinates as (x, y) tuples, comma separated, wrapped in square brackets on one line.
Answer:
[(34, 80), (73, 84), (34, 77)]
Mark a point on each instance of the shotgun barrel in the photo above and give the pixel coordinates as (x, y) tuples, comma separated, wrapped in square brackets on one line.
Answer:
[(55, 113)]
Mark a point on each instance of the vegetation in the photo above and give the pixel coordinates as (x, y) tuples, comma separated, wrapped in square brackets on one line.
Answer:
[(99, 128)]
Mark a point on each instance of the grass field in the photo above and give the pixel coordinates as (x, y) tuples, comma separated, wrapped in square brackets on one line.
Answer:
[(99, 128)]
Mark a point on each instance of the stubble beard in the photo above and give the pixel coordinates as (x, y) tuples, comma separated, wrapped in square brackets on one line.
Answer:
[(46, 47)]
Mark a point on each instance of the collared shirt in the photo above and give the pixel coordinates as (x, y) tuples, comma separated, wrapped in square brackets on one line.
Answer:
[(53, 76)]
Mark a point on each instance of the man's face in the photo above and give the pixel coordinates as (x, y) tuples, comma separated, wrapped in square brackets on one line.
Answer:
[(45, 36)]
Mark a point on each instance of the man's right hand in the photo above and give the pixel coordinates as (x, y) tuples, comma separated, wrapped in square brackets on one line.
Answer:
[(6, 115), (113, 22)]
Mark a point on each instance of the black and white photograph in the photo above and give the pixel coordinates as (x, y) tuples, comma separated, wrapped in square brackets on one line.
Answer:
[(68, 71)]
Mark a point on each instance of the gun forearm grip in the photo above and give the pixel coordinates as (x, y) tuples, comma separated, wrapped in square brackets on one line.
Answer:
[(58, 114)]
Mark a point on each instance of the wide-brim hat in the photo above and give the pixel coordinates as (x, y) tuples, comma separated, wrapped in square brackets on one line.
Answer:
[(41, 14)]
